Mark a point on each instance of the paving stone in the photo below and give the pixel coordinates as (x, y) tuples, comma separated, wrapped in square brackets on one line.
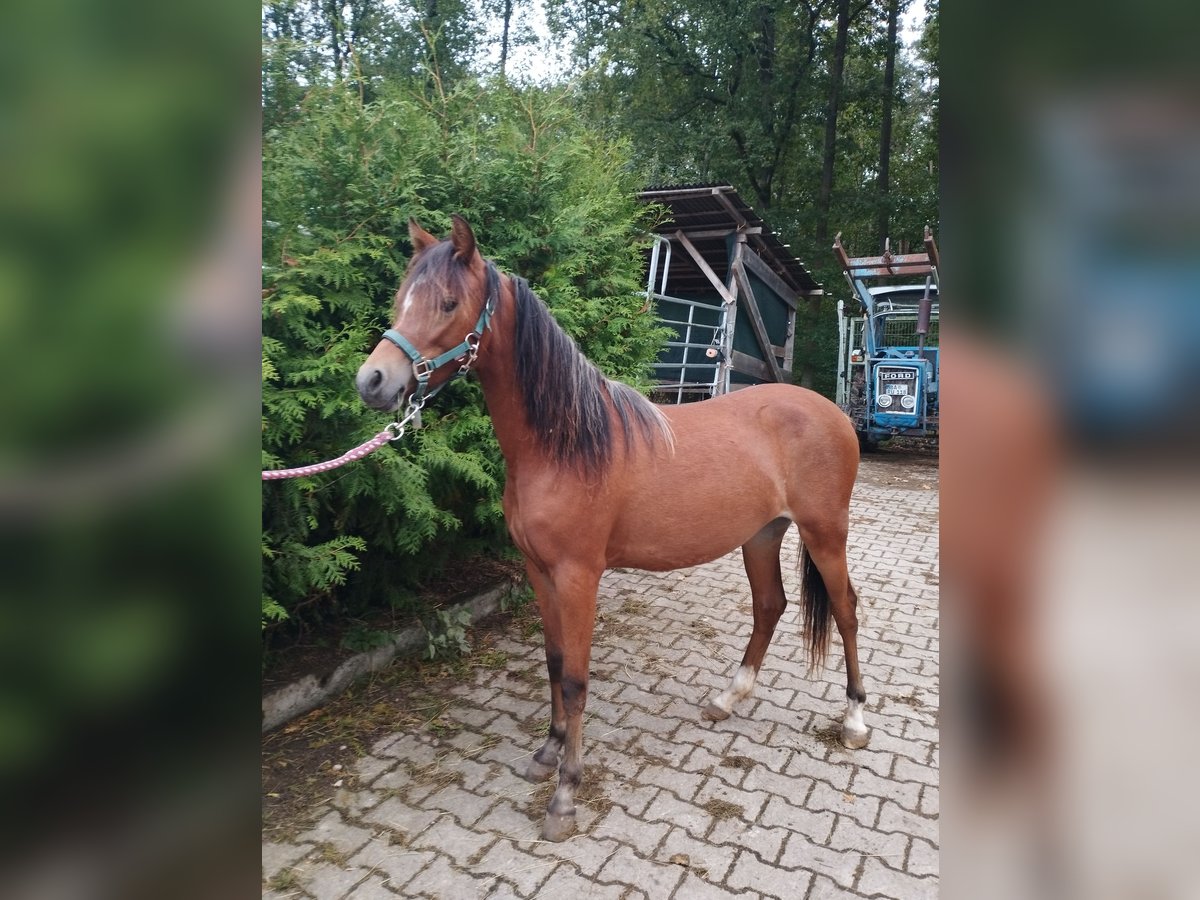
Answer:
[(863, 809), (442, 879), (670, 809), (880, 881), (369, 768), (929, 801), (503, 890), (654, 878), (277, 857), (467, 807), (825, 888), (332, 830), (374, 888), (325, 881), (849, 835), (905, 770), (506, 820), (867, 784), (750, 873), (635, 799), (628, 830), (586, 853), (399, 863), (836, 774), (894, 818), (709, 861), (448, 837), (801, 853), (765, 841), (817, 826), (515, 864), (398, 816), (923, 858), (694, 888)]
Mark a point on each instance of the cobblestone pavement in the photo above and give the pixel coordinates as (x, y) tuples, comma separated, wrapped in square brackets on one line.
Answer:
[(764, 804)]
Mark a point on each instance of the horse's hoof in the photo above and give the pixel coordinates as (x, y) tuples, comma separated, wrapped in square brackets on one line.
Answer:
[(538, 772), (558, 827), (855, 740), (714, 713)]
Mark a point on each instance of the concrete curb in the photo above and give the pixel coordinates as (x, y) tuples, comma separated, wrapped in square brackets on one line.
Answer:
[(307, 693)]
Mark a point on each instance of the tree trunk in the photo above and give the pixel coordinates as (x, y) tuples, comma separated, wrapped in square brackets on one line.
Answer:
[(825, 193), (508, 12), (836, 65), (885, 128), (333, 12)]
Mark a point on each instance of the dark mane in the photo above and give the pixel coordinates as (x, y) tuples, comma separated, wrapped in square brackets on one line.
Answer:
[(567, 399)]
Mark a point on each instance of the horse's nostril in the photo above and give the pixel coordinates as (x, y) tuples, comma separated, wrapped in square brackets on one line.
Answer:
[(375, 381)]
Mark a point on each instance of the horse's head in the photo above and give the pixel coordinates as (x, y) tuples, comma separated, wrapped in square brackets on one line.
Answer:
[(439, 318)]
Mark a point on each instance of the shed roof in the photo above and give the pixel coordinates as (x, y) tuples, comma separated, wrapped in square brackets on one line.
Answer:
[(710, 210)]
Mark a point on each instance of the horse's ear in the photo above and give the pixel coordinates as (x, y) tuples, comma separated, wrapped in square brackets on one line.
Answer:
[(421, 239), (463, 239)]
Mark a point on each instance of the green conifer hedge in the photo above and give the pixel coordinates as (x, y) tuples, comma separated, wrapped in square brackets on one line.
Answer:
[(548, 197)]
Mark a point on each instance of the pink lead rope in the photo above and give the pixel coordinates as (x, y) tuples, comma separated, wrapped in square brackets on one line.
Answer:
[(349, 456), (393, 432)]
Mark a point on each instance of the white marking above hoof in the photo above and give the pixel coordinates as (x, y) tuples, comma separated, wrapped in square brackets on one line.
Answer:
[(854, 732), (740, 689)]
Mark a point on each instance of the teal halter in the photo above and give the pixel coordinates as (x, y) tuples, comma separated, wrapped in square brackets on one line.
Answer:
[(465, 352)]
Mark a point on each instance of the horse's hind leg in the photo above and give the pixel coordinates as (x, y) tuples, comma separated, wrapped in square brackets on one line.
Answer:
[(760, 556), (825, 572)]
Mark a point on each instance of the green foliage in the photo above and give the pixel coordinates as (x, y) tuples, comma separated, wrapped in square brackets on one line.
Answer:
[(446, 633), (548, 198), (362, 638)]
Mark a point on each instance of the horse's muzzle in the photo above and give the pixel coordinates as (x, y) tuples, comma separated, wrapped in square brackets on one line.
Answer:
[(384, 387)]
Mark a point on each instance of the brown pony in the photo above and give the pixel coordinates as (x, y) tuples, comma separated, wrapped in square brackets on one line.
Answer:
[(599, 477)]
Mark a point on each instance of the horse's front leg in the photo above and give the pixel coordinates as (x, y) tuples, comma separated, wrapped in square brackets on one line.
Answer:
[(568, 618), (545, 761)]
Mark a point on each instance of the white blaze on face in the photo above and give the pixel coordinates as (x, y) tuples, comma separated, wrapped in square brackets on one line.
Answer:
[(407, 303)]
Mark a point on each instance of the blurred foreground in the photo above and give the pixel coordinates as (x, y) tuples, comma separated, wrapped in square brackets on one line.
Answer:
[(1071, 494), (129, 231)]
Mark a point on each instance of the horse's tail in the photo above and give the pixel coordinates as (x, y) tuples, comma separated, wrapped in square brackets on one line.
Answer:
[(817, 612)]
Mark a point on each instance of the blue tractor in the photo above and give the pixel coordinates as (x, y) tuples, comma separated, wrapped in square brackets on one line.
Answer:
[(888, 365)]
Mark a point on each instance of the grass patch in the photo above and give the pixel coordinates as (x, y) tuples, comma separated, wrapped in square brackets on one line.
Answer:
[(723, 809), (492, 659), (703, 629), (830, 736), (634, 606), (285, 880), (744, 763), (327, 852)]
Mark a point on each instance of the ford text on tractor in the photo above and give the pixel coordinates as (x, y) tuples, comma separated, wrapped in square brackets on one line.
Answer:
[(888, 355)]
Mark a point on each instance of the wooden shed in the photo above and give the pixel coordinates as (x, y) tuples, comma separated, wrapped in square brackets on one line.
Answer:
[(729, 288)]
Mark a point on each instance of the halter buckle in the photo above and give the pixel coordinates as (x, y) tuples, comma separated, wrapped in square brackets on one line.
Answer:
[(422, 369)]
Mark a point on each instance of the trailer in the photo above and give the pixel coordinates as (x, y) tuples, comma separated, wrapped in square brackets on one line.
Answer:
[(728, 288), (888, 379)]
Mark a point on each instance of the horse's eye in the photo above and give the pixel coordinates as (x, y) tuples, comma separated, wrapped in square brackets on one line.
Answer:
[(449, 304)]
